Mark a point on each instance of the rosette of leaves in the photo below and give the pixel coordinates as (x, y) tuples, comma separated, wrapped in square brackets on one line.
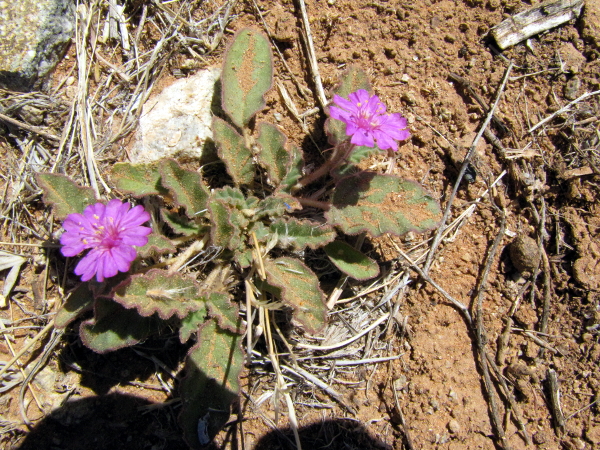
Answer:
[(251, 227)]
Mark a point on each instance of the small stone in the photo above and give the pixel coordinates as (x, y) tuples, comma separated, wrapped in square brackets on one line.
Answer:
[(450, 39), (405, 78), (524, 254), (572, 88), (434, 404), (409, 98), (401, 383), (454, 426)]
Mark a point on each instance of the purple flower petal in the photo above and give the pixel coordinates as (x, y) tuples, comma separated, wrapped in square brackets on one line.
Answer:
[(367, 122), (111, 231)]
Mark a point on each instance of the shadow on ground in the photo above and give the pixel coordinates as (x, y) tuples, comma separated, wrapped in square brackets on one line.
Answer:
[(113, 422), (123, 422), (339, 434)]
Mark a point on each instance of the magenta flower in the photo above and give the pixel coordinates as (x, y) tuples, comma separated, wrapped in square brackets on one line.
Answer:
[(367, 122), (111, 231)]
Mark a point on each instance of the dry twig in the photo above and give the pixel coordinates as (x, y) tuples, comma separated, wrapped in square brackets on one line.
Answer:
[(438, 235)]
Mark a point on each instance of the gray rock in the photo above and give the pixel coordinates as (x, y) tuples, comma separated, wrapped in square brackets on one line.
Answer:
[(177, 122), (33, 37)]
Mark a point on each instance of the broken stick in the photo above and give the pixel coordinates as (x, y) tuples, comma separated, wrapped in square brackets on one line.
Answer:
[(535, 20)]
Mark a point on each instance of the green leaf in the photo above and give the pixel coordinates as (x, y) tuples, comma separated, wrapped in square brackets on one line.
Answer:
[(300, 290), (226, 313), (179, 223), (351, 261), (294, 169), (273, 156), (353, 79), (381, 204), (298, 234), (233, 152), (114, 327), (64, 195), (158, 292), (137, 179), (234, 197), (186, 186), (247, 75), (244, 257), (356, 156), (79, 300), (211, 384), (224, 233), (157, 245), (191, 323), (271, 207)]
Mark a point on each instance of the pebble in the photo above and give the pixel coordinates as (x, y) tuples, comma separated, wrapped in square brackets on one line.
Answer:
[(572, 87), (524, 253), (453, 426), (405, 78), (409, 98)]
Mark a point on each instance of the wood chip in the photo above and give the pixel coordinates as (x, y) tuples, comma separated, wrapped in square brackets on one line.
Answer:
[(535, 20)]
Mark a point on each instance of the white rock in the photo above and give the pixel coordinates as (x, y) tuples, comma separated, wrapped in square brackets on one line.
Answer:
[(176, 122)]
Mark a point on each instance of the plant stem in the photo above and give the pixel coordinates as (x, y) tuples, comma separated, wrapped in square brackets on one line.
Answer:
[(340, 153), (314, 203)]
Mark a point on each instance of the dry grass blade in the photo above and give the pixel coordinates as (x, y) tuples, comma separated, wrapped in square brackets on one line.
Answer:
[(312, 56), (562, 110), (37, 130), (298, 371), (374, 325), (26, 347)]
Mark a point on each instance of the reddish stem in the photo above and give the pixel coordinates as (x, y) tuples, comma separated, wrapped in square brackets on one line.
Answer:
[(340, 153)]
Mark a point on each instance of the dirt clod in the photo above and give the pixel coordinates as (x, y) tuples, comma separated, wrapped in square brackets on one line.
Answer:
[(524, 254)]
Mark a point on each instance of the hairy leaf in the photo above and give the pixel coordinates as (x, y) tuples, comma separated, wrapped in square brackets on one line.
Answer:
[(273, 155), (233, 152), (137, 179), (234, 197), (64, 195), (226, 313), (225, 231), (158, 292), (351, 261), (191, 323), (179, 223), (114, 327), (293, 170), (79, 300), (381, 204), (298, 234), (157, 245), (356, 156), (300, 290), (247, 75), (186, 185), (211, 384)]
